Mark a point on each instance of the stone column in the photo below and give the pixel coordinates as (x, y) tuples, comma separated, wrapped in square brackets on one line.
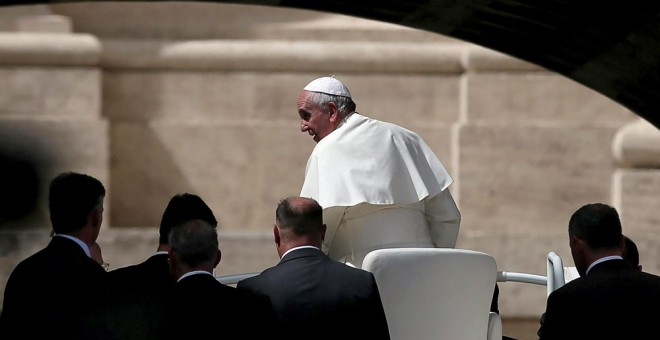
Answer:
[(50, 121), (636, 150)]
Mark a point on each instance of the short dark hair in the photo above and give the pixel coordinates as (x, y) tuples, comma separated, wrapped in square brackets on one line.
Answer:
[(72, 197), (194, 242), (181, 208), (303, 219), (598, 224)]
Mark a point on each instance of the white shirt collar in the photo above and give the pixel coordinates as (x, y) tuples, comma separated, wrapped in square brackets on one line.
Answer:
[(194, 272), (80, 243), (603, 259), (301, 247)]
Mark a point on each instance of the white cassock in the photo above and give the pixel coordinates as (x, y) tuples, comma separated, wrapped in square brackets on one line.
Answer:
[(380, 186)]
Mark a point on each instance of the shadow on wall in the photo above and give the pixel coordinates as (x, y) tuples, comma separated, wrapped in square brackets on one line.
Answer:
[(20, 183)]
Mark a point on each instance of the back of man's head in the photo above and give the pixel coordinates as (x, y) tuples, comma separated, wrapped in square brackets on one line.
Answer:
[(598, 225), (72, 197), (181, 208), (194, 243), (302, 216)]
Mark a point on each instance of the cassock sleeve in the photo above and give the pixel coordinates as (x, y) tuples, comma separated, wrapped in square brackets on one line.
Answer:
[(443, 218)]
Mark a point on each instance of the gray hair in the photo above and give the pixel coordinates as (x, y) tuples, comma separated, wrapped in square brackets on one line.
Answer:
[(194, 242), (345, 105)]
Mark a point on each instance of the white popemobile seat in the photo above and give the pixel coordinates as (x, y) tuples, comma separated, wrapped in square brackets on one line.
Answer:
[(436, 293), (443, 293)]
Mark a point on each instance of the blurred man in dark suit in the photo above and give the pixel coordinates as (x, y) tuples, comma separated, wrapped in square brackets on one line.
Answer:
[(48, 293), (610, 299), (201, 305), (154, 273), (312, 294), (138, 295)]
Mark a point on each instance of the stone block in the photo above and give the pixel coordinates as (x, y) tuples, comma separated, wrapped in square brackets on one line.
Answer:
[(175, 96), (410, 100), (47, 49), (9, 14), (278, 56), (519, 253), (238, 169), (52, 146), (530, 180), (538, 98), (637, 145), (481, 59), (196, 96), (647, 241), (55, 92), (441, 140), (49, 23), (639, 200), (413, 101)]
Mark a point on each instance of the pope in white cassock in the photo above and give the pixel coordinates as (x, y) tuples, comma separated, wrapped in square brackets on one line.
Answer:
[(380, 185)]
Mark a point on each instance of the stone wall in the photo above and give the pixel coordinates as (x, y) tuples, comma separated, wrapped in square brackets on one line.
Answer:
[(154, 105)]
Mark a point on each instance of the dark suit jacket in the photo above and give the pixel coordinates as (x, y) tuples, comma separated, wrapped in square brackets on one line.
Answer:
[(48, 293), (136, 303), (151, 275), (202, 307), (317, 297), (612, 301)]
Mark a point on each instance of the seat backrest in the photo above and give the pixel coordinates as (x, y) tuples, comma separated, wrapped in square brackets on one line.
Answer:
[(558, 275), (555, 271), (434, 293)]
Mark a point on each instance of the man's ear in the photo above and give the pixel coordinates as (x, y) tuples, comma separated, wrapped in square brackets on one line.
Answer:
[(276, 234), (96, 217), (333, 111), (218, 257), (324, 228), (578, 243)]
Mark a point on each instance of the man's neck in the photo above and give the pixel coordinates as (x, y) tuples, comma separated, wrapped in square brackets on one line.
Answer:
[(298, 247)]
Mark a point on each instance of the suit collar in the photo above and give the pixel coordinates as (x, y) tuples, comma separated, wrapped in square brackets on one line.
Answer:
[(296, 248), (609, 265), (80, 243), (301, 252)]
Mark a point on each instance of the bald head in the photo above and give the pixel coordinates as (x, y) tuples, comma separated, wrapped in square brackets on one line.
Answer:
[(298, 222)]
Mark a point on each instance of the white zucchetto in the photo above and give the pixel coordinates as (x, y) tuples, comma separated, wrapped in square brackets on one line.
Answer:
[(328, 85)]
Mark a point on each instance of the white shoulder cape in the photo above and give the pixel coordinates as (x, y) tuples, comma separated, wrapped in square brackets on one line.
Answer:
[(366, 160)]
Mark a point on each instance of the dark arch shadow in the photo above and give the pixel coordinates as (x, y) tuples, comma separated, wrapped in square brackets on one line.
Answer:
[(612, 47)]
